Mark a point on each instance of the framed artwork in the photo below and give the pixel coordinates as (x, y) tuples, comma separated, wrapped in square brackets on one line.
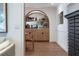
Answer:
[(61, 17), (3, 17)]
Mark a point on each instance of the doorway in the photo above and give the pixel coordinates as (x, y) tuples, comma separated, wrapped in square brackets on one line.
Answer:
[(37, 32), (36, 28)]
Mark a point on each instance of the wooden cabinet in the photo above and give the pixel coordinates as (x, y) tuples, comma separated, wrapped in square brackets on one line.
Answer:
[(34, 34), (28, 34), (38, 34)]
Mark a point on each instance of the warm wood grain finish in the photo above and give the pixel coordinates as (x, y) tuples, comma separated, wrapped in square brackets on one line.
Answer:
[(45, 49), (29, 38), (38, 34)]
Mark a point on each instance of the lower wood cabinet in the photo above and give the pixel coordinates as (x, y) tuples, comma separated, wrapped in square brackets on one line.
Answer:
[(38, 34)]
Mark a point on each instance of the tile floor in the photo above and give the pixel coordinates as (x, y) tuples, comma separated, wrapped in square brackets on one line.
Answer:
[(45, 49)]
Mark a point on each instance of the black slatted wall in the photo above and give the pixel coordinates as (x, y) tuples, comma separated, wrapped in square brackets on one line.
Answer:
[(73, 33)]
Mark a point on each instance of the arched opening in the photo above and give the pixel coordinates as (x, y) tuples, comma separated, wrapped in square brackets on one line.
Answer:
[(36, 28), (37, 15)]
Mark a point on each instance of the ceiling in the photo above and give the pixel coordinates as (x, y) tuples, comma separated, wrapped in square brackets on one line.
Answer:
[(41, 5)]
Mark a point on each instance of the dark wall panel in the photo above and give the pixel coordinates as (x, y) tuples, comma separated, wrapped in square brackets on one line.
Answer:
[(73, 33)]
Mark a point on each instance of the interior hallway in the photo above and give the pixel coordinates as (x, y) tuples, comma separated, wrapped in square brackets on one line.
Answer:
[(45, 49)]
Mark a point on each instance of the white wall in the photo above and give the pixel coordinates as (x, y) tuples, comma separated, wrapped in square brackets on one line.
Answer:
[(53, 22), (37, 15), (15, 25), (63, 28), (73, 7)]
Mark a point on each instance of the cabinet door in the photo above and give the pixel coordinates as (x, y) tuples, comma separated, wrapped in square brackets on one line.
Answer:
[(35, 34), (39, 35), (46, 35), (42, 35), (28, 34)]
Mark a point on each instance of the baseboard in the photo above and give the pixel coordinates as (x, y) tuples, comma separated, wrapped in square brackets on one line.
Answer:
[(62, 47)]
